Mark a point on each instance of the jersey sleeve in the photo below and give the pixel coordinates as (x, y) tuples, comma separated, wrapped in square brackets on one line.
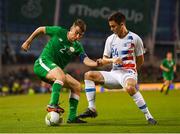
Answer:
[(53, 30), (139, 48), (80, 52), (163, 62), (79, 49), (107, 48)]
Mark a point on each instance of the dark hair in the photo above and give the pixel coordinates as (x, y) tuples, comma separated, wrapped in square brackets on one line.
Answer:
[(81, 24), (169, 52), (118, 17)]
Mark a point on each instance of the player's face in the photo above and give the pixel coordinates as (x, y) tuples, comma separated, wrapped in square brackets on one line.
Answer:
[(115, 28), (75, 33), (169, 56)]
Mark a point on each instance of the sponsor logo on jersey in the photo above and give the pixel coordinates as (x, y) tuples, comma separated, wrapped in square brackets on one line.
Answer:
[(60, 39), (53, 64)]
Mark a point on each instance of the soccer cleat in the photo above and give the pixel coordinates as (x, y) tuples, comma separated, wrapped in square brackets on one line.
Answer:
[(55, 108), (76, 120), (151, 121), (88, 113)]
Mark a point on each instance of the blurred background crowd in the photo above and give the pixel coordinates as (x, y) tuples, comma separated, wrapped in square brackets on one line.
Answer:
[(156, 21)]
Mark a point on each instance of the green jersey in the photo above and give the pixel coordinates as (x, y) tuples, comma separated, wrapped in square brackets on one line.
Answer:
[(170, 65), (59, 49)]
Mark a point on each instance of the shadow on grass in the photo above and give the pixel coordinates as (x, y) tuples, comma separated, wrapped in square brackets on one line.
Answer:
[(126, 124), (108, 123)]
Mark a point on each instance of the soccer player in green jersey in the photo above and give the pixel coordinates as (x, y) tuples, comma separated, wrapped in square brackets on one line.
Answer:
[(168, 67), (58, 52)]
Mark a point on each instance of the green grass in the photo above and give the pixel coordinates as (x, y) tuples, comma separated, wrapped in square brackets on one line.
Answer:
[(117, 113)]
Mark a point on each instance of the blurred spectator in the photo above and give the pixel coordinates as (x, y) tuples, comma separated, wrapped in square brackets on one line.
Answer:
[(45, 87), (9, 55), (5, 90), (31, 91), (16, 88), (25, 85)]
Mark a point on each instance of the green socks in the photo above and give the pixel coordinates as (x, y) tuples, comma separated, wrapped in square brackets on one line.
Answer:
[(55, 92), (73, 100), (73, 103)]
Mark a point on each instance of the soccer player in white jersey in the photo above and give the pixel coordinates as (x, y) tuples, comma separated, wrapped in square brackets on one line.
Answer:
[(124, 49)]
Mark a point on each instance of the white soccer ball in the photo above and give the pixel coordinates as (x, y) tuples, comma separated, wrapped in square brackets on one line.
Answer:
[(53, 119)]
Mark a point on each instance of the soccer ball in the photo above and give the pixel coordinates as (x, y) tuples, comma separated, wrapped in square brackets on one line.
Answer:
[(53, 119)]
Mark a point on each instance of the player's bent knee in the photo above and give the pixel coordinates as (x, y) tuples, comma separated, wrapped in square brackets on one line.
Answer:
[(89, 75), (60, 77), (130, 88), (78, 87), (56, 76)]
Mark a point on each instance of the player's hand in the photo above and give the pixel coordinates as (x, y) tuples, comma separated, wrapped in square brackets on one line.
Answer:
[(25, 46), (166, 69), (99, 62), (117, 61)]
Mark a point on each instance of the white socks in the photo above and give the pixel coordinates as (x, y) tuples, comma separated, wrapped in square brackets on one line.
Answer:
[(137, 97), (74, 96), (139, 100), (90, 93)]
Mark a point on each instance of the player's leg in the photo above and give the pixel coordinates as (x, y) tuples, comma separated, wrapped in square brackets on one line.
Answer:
[(75, 89), (163, 86), (58, 77), (91, 78), (169, 79), (99, 77), (130, 87), (50, 72), (168, 83)]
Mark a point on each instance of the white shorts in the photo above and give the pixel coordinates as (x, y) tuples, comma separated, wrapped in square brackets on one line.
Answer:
[(117, 78)]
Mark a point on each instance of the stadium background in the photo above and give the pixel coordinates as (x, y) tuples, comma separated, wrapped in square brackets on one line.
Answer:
[(157, 22)]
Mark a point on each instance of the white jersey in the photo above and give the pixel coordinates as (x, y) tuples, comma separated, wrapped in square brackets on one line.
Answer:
[(126, 48)]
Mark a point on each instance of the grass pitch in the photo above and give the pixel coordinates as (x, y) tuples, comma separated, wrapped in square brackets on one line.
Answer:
[(117, 113)]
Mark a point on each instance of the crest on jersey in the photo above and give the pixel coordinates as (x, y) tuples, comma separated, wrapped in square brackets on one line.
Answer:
[(130, 38), (72, 49)]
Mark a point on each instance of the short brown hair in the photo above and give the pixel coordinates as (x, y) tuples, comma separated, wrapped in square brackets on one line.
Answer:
[(81, 24), (118, 17)]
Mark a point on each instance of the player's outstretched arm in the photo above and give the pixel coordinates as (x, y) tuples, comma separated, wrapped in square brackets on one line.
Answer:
[(88, 62), (26, 45), (106, 60)]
